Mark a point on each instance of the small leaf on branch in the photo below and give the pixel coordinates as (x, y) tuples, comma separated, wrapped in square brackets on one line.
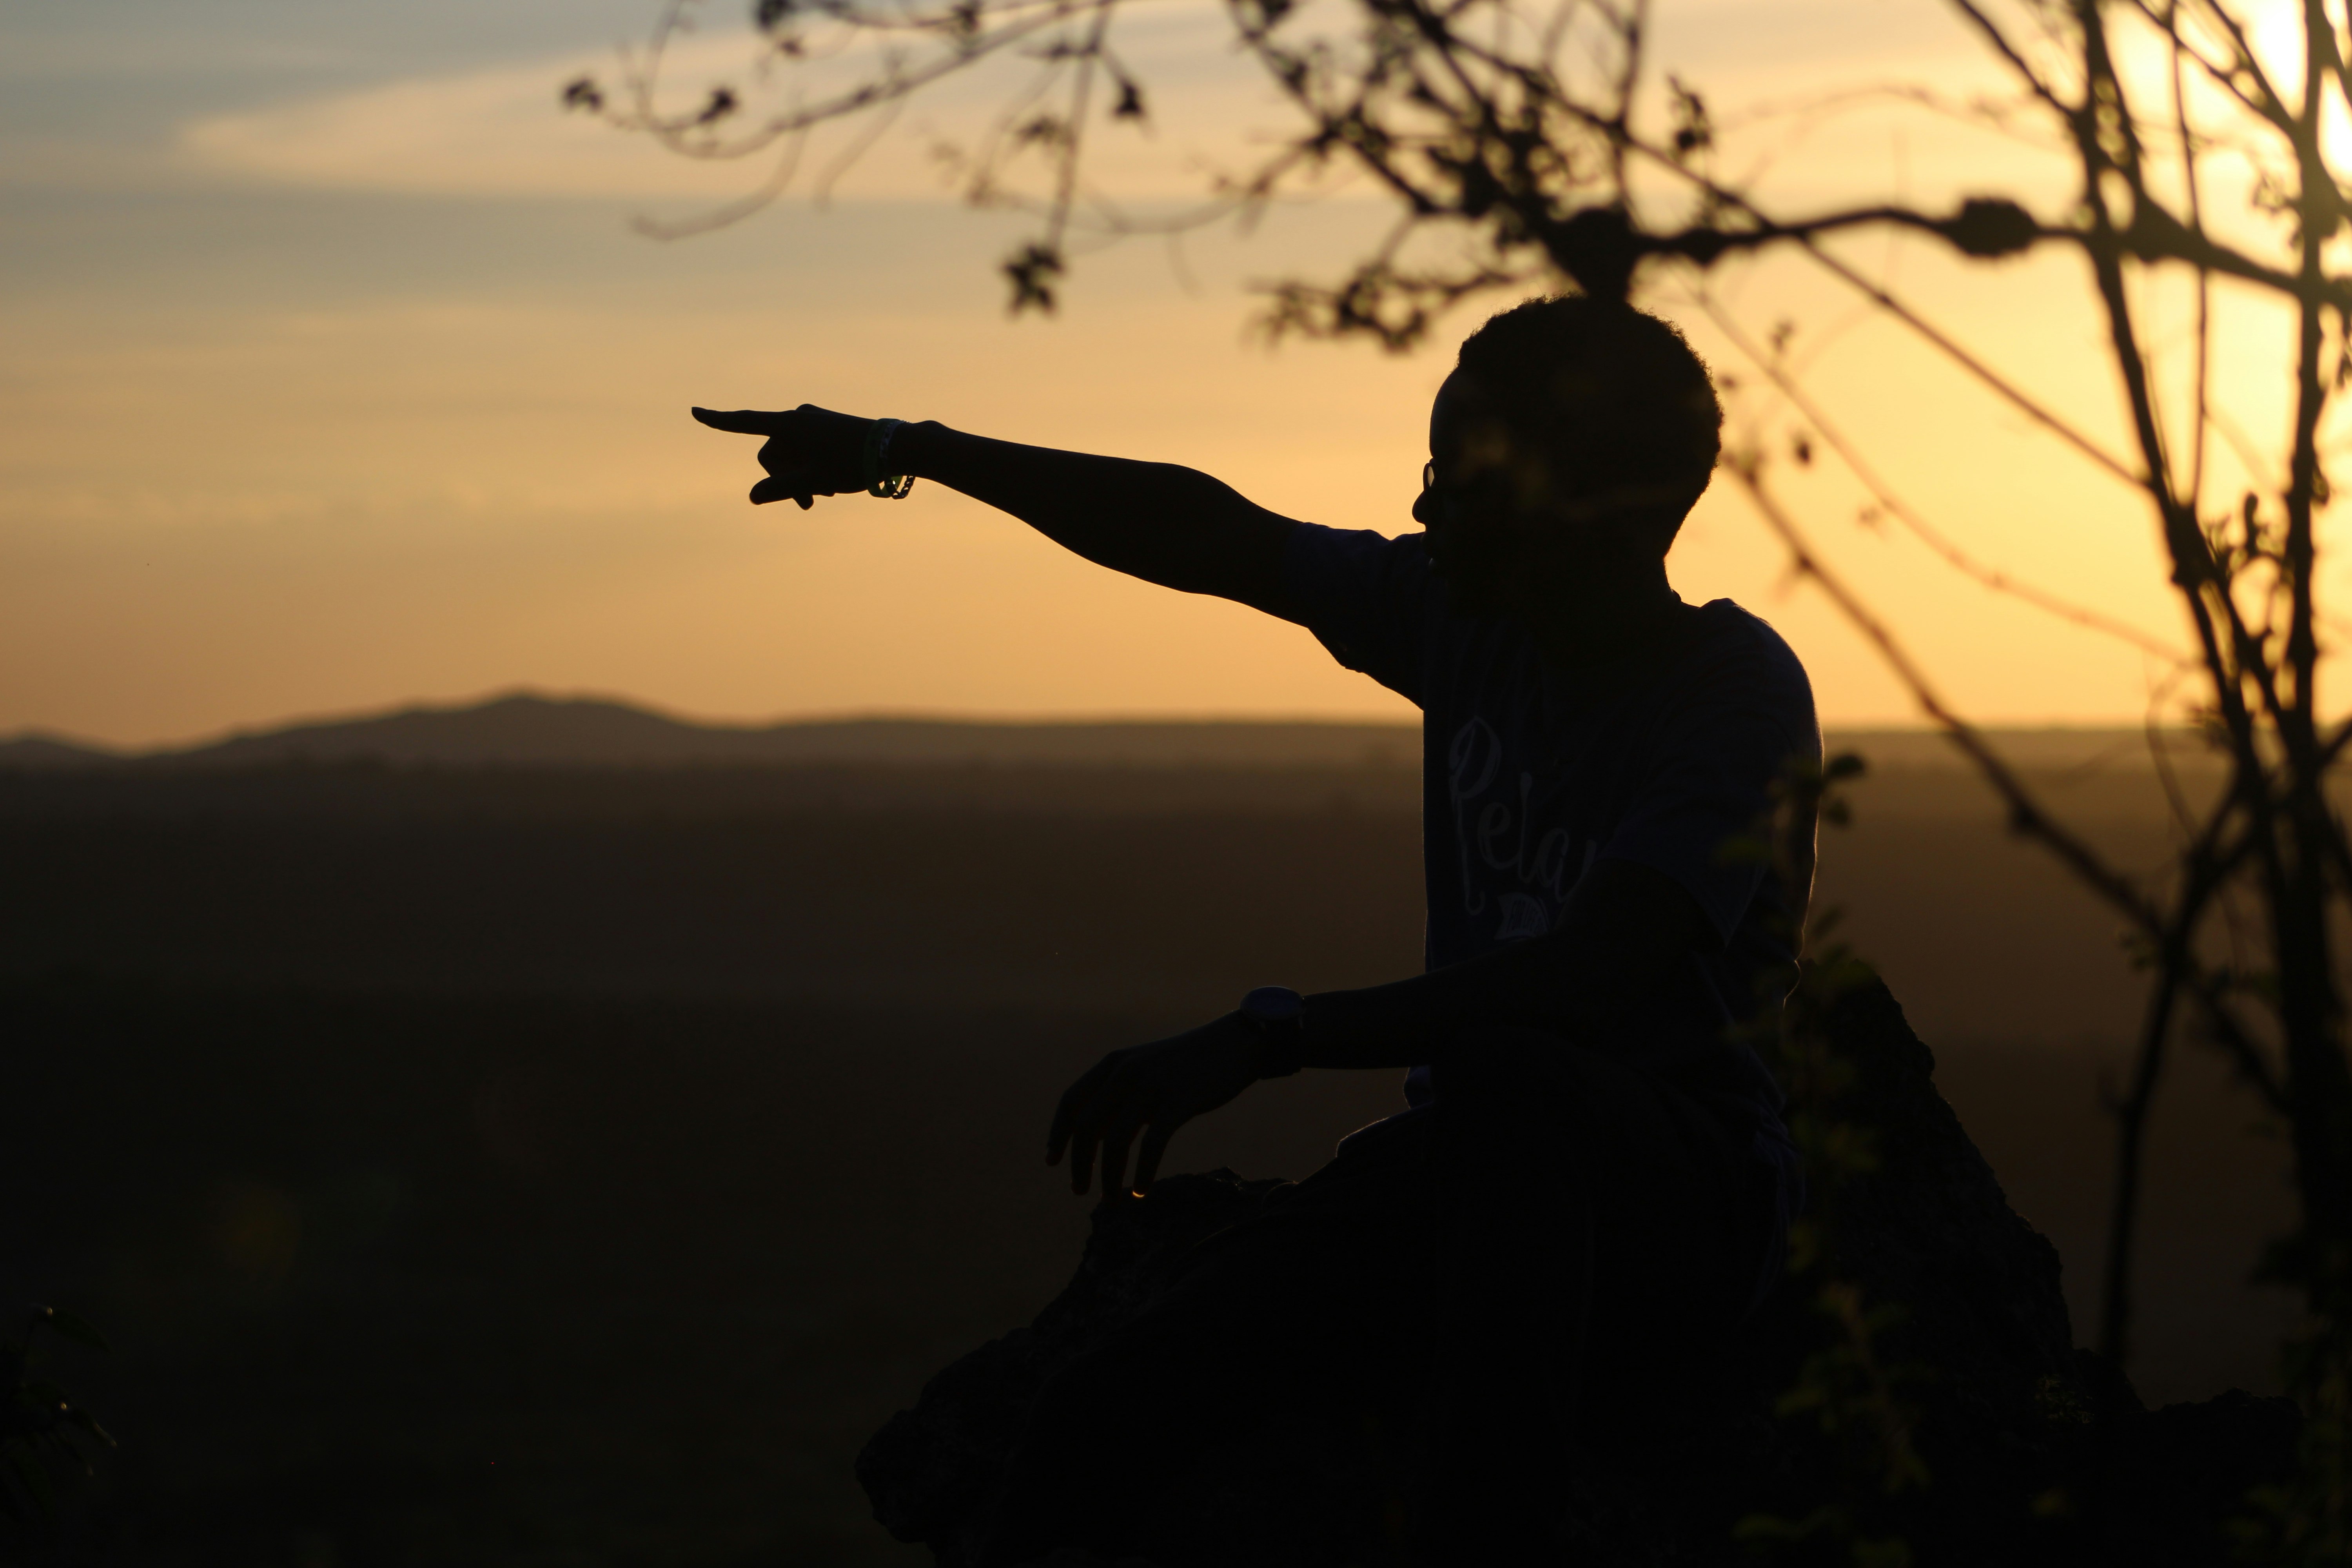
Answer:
[(1597, 248), (722, 103), (1693, 131), (1031, 271), (74, 1329), (1040, 131), (1990, 227), (1130, 102)]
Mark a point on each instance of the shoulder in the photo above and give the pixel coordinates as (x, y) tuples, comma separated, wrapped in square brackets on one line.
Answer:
[(1729, 639), (1313, 551), (1340, 577), (1736, 656), (1367, 598)]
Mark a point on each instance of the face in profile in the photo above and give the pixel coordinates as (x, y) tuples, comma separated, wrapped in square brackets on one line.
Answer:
[(1495, 536)]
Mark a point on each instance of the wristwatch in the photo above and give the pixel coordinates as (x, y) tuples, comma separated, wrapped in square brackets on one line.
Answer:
[(1279, 1013)]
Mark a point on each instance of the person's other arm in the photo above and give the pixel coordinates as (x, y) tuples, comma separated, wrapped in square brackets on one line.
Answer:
[(1159, 522), (1620, 934)]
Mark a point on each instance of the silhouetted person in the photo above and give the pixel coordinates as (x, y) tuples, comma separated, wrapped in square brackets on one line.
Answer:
[(1590, 1184)]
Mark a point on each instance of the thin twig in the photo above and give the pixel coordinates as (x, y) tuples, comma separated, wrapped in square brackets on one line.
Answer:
[(1991, 577)]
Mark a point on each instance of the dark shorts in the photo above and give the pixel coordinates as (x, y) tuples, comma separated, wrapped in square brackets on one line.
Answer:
[(1547, 1251)]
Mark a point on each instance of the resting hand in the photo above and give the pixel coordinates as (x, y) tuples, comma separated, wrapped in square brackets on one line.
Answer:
[(810, 451), (1152, 1090)]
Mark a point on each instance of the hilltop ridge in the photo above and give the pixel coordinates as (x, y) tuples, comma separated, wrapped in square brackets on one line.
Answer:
[(532, 729)]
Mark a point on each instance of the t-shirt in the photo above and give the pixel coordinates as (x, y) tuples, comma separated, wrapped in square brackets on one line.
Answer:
[(1532, 776)]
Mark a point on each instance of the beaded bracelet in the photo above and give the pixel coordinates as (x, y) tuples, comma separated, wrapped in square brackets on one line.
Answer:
[(879, 481)]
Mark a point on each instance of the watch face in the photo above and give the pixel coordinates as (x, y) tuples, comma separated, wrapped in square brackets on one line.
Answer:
[(1274, 1004)]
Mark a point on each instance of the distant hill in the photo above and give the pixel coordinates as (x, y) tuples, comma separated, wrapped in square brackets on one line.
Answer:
[(34, 752), (529, 731)]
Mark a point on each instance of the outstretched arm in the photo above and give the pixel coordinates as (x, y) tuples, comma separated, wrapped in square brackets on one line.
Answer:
[(1159, 522), (1620, 935)]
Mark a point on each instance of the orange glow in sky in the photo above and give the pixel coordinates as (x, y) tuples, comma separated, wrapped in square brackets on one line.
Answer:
[(336, 380)]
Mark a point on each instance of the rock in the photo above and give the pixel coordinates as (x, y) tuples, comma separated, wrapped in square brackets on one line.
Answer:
[(930, 1470), (2035, 1452)]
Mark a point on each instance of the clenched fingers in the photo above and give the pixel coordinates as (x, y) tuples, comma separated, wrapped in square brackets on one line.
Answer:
[(791, 485), (788, 474)]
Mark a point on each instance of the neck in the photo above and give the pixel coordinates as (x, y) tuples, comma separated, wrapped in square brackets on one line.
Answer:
[(1605, 615)]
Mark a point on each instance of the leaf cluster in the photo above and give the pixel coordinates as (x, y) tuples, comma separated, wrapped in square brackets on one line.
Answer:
[(1847, 1389), (39, 1426)]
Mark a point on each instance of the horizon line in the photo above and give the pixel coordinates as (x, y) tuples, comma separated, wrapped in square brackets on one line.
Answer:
[(975, 719)]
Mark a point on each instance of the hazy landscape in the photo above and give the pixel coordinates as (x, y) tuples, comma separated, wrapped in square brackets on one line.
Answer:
[(551, 1133)]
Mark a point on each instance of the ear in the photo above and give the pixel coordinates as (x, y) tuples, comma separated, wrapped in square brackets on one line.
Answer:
[(1485, 447)]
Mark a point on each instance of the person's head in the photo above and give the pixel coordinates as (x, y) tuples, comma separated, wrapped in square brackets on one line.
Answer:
[(1565, 449)]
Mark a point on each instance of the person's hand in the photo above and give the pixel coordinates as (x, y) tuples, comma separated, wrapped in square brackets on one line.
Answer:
[(810, 451), (1152, 1090)]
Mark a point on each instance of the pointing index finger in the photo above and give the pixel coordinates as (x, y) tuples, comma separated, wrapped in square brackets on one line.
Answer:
[(744, 421)]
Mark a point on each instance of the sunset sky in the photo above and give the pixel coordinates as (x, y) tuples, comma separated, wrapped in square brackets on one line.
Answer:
[(336, 378)]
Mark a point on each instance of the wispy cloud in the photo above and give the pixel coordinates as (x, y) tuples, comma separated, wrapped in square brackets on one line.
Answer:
[(499, 131)]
